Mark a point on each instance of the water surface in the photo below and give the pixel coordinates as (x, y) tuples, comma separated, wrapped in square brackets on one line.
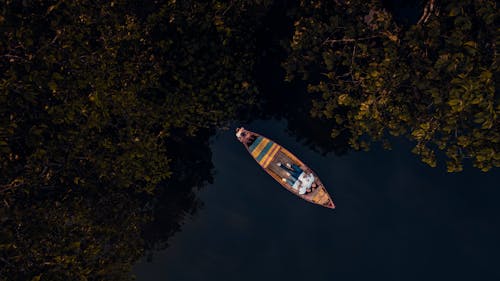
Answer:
[(396, 219)]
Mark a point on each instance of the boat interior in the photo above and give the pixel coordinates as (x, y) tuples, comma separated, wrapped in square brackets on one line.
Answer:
[(280, 157), (316, 193), (280, 173)]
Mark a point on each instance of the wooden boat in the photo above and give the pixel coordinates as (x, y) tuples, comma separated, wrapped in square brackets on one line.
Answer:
[(285, 168)]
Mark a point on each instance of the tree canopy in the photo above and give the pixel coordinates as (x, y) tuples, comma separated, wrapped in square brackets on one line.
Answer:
[(95, 87), (431, 82), (91, 93)]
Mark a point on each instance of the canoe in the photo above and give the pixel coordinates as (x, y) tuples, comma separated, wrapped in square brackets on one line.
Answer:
[(285, 168)]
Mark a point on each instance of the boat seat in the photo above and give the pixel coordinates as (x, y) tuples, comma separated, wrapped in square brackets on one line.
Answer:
[(257, 141)]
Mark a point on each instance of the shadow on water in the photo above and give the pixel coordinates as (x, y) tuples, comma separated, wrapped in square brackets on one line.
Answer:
[(289, 100), (175, 198)]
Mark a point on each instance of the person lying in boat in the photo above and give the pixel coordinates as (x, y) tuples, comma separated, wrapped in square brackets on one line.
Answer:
[(290, 180), (291, 170), (297, 184), (294, 168)]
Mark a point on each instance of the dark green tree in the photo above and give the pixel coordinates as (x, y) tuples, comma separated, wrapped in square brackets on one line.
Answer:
[(432, 83), (91, 95), (70, 237)]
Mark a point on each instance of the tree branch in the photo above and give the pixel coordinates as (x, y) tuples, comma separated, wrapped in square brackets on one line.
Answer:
[(14, 184), (429, 9), (348, 40)]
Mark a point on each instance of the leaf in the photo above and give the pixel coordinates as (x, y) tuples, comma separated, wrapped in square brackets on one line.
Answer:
[(52, 86), (487, 124), (50, 9), (470, 44), (485, 75), (57, 76), (470, 50), (454, 11), (418, 134), (425, 126), (463, 141), (334, 133), (343, 99), (75, 245), (490, 18)]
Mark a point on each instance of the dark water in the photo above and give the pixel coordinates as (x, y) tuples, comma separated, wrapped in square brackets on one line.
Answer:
[(405, 12), (396, 219)]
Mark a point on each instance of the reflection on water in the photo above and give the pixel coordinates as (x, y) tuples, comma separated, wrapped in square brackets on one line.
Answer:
[(174, 199), (396, 219), (289, 100)]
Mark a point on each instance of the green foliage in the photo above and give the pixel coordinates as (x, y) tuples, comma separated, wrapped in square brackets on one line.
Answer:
[(432, 83), (71, 89), (70, 238), (94, 88), (91, 93)]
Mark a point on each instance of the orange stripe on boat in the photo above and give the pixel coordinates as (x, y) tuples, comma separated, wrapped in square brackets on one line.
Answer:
[(264, 162), (270, 155), (260, 147), (266, 153)]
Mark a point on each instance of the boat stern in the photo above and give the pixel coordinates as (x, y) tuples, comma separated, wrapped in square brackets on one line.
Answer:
[(322, 198), (329, 204)]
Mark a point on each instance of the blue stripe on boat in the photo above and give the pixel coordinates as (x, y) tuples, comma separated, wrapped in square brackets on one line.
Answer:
[(264, 151), (255, 143)]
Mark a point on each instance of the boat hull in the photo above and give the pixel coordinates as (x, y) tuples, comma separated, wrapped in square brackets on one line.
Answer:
[(272, 157)]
